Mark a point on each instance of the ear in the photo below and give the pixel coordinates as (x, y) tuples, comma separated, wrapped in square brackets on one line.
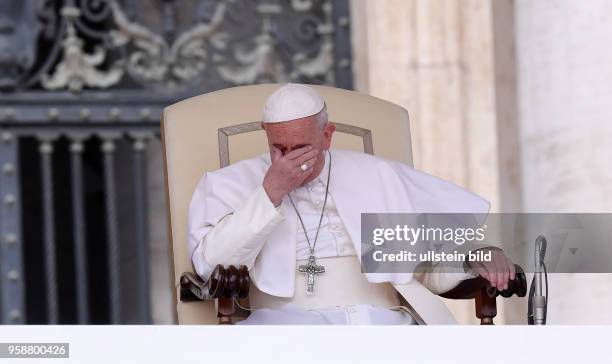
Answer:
[(328, 132)]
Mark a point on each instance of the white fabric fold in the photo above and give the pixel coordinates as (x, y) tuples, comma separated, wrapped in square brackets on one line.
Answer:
[(229, 213), (242, 232)]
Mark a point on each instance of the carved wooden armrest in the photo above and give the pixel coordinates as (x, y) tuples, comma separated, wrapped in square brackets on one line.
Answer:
[(485, 295), (228, 285)]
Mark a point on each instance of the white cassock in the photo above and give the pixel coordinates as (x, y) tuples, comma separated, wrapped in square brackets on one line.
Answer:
[(233, 222)]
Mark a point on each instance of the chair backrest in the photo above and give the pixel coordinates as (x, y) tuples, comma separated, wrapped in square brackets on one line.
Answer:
[(206, 132)]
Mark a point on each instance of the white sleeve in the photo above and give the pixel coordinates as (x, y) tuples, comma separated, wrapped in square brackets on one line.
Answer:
[(440, 281), (237, 238)]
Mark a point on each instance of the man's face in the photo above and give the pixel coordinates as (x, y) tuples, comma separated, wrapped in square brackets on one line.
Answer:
[(295, 134)]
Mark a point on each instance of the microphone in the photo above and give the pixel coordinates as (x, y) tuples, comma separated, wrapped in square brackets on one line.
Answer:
[(537, 304), (540, 251)]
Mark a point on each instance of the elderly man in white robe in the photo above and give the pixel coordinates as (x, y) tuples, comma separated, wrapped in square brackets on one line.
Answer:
[(295, 212)]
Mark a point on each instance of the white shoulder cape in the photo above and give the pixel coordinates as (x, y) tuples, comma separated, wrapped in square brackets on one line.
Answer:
[(359, 183)]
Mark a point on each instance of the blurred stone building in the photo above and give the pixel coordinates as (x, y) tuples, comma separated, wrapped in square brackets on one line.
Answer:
[(82, 85), (509, 98)]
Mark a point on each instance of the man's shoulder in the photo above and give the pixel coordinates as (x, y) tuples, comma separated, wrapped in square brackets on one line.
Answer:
[(241, 172), (364, 160), (246, 167)]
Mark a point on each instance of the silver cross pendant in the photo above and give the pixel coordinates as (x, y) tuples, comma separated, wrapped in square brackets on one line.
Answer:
[(311, 269)]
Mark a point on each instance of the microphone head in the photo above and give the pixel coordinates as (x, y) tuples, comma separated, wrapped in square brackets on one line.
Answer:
[(541, 243), (540, 246)]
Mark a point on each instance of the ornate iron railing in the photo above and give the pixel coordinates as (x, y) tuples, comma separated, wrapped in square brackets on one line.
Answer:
[(82, 86)]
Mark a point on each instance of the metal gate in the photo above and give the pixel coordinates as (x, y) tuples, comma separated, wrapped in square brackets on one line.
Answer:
[(82, 87)]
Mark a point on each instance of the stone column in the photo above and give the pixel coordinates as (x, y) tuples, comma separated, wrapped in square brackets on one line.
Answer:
[(565, 88), (435, 58)]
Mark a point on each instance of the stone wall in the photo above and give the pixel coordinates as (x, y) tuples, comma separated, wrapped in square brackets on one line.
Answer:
[(435, 58), (565, 91), (510, 99)]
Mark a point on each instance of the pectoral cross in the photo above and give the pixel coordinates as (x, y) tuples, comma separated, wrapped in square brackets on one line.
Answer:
[(310, 270)]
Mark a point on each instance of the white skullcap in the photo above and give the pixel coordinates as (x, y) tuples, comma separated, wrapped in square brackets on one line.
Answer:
[(290, 102)]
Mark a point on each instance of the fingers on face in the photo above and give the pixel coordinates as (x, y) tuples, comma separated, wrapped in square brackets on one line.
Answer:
[(276, 153), (298, 152), (306, 157), (310, 163), (301, 173), (306, 172)]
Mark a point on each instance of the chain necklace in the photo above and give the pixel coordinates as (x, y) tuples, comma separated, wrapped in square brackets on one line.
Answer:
[(311, 268)]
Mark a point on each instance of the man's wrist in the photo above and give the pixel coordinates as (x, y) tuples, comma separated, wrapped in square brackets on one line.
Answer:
[(275, 201)]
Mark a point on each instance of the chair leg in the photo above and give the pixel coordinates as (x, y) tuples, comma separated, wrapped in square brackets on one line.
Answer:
[(225, 310), (486, 308)]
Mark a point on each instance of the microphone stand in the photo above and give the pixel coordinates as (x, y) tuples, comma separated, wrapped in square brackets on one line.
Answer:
[(537, 303)]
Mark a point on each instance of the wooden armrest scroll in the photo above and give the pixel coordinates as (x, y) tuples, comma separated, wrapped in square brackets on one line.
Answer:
[(228, 285), (225, 282), (485, 295)]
